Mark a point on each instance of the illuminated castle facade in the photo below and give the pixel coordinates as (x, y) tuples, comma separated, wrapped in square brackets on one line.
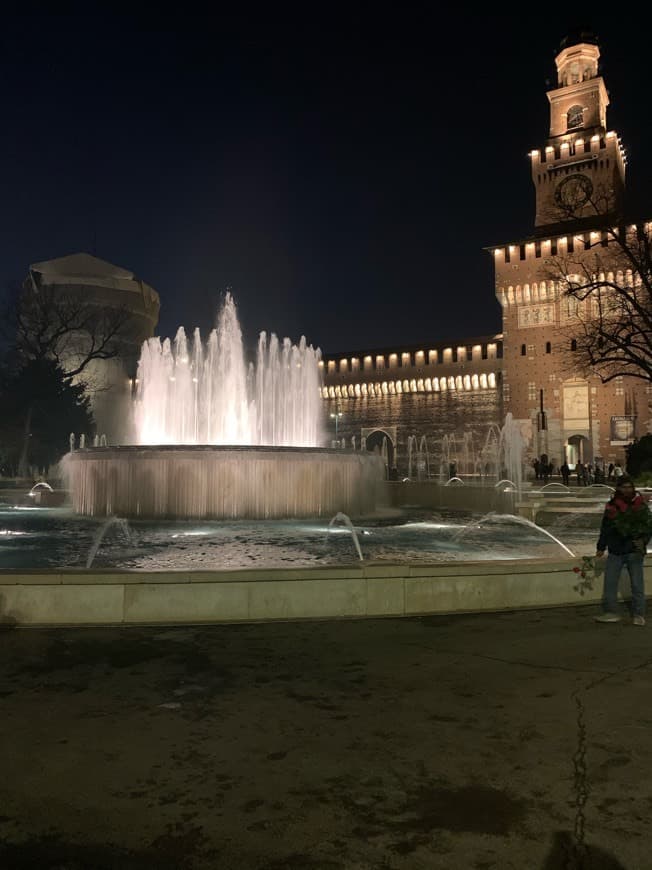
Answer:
[(579, 179), (528, 369)]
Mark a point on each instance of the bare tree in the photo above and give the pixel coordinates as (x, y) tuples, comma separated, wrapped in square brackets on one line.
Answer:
[(65, 326), (606, 290)]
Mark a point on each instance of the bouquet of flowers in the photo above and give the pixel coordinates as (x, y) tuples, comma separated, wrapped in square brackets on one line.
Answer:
[(633, 522), (587, 570)]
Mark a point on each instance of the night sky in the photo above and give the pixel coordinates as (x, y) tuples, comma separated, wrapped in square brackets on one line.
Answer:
[(340, 171)]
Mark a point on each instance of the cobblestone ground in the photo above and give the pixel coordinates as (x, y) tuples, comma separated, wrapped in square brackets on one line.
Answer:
[(479, 741)]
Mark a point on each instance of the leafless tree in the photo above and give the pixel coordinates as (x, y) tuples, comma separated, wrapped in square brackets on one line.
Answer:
[(606, 290), (63, 325)]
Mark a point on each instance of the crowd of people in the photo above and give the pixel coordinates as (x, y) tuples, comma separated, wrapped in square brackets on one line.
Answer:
[(583, 474)]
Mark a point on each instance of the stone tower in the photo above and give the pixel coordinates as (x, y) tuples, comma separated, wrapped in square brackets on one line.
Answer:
[(103, 287), (580, 169), (579, 182)]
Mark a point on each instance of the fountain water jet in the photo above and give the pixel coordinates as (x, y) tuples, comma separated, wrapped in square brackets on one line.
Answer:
[(218, 439), (101, 532), (343, 518), (510, 518)]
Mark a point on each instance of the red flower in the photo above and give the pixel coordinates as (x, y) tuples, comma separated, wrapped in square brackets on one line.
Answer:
[(577, 570)]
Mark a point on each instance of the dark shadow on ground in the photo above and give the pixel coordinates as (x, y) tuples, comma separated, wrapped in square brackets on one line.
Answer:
[(565, 856), (168, 852)]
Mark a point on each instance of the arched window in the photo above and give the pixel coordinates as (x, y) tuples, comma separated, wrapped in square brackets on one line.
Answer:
[(573, 344), (574, 117), (548, 347), (523, 350)]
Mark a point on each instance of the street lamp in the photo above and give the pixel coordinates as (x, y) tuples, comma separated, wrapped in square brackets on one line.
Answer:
[(336, 416)]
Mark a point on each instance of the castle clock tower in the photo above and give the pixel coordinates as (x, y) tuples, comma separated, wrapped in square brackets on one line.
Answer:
[(580, 172), (579, 178)]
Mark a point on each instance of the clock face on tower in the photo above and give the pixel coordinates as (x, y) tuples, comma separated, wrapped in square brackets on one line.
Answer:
[(573, 192)]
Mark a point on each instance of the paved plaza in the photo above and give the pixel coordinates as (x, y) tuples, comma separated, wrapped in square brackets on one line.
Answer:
[(467, 741)]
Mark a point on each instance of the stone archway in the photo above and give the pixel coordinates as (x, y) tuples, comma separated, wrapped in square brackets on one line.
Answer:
[(377, 440), (578, 449)]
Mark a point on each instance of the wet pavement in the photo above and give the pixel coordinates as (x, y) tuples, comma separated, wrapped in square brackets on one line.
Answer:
[(513, 740)]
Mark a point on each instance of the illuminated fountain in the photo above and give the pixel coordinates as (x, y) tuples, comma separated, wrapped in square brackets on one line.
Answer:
[(217, 438)]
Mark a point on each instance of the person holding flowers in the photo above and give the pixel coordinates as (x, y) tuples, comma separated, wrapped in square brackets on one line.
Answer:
[(625, 531)]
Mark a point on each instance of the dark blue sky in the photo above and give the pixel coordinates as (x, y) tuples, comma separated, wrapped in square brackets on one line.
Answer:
[(341, 172)]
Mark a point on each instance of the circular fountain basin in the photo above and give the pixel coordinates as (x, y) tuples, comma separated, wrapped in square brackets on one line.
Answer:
[(218, 482)]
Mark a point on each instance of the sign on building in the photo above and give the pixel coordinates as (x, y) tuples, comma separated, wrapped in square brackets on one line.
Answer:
[(622, 430)]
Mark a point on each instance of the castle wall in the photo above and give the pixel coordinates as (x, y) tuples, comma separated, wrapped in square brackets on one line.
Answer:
[(539, 324)]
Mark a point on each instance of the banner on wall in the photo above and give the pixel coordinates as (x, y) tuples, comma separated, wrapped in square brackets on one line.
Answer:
[(622, 430)]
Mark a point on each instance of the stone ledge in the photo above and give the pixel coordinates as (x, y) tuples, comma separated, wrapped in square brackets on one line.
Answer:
[(349, 591)]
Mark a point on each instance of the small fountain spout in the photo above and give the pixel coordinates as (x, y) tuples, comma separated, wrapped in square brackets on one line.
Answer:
[(101, 532), (343, 518), (492, 516)]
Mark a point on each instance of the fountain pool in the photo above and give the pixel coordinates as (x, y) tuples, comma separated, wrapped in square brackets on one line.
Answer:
[(56, 538)]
